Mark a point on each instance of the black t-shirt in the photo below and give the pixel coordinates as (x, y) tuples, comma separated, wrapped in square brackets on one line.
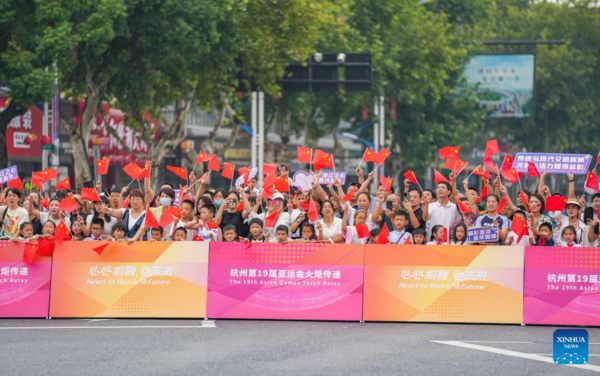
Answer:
[(419, 215), (236, 220)]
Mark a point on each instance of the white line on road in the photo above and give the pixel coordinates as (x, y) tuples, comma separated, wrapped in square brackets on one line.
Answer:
[(516, 354), (490, 342)]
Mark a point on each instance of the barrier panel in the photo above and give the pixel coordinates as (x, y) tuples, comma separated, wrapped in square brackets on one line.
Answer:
[(562, 286), (468, 284), (145, 279), (24, 286), (295, 281)]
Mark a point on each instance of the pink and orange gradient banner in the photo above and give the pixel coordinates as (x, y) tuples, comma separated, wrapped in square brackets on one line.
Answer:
[(475, 284), (290, 282), (24, 287), (145, 279)]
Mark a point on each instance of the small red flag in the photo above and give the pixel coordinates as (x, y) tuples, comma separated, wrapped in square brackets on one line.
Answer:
[(318, 155), (384, 236), (269, 168), (15, 183), (408, 241), (532, 169), (386, 182), (100, 248), (439, 177), (267, 191), (269, 180), (445, 236), (103, 166), (326, 161), (519, 227), (382, 156), (512, 176), (598, 158), (212, 225), (166, 218), (348, 196), (68, 204), (313, 214), (144, 173), (591, 183), (523, 198), (214, 164), (202, 157), (501, 205), (449, 152), (38, 179), (133, 170), (61, 233), (126, 203), (228, 170), (90, 194), (150, 220), (490, 149), (455, 165), (29, 252), (556, 203), (175, 212), (282, 184), (369, 156), (204, 177), (64, 184), (484, 192), (362, 231), (240, 206), (50, 174), (508, 163), (46, 246), (479, 171), (410, 176), (304, 154), (271, 219), (179, 171), (46, 202), (197, 238), (465, 209)]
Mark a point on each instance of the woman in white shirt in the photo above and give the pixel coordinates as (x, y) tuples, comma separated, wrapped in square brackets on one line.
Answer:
[(12, 215), (329, 228)]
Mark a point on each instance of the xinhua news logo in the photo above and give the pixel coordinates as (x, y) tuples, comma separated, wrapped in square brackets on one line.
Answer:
[(571, 346)]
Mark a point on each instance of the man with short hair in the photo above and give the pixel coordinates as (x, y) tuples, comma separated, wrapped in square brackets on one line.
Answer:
[(412, 206), (442, 212)]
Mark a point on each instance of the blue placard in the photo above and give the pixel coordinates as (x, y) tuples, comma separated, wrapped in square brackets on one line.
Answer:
[(554, 163), (8, 174), (482, 234), (571, 346)]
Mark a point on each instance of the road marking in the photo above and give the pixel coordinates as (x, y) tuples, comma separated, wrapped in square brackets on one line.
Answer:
[(516, 354), (491, 342), (203, 326)]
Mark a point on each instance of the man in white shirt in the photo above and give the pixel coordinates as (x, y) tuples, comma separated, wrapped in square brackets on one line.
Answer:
[(442, 212)]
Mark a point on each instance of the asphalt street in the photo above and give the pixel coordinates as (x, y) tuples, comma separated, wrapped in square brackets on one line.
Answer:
[(227, 347)]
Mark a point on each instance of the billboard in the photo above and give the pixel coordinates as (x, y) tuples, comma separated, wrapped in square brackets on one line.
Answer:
[(504, 84)]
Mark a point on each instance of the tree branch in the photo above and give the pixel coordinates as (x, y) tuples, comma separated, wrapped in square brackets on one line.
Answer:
[(127, 149)]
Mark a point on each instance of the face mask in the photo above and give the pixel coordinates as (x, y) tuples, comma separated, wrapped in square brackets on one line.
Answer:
[(218, 202), (165, 201)]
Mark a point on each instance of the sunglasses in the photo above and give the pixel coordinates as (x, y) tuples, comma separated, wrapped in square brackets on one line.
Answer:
[(274, 202)]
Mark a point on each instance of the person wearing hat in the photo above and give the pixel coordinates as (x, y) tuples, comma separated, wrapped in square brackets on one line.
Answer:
[(99, 212), (573, 209), (274, 203)]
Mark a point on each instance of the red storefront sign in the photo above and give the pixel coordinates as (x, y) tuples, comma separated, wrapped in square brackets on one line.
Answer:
[(20, 128)]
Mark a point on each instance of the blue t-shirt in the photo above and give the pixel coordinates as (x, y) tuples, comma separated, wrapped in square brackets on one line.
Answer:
[(487, 221)]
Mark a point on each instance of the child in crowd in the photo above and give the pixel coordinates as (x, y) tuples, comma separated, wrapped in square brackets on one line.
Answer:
[(77, 231), (349, 232), (281, 232), (511, 238), (47, 230), (156, 234), (308, 232), (567, 238), (437, 235), (460, 235), (97, 229), (256, 231), (180, 234), (374, 236), (400, 235), (118, 232), (25, 232), (544, 239), (230, 234), (207, 229), (419, 235), (187, 220)]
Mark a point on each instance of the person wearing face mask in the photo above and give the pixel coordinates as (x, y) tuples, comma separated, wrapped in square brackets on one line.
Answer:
[(12, 215), (218, 197), (166, 196)]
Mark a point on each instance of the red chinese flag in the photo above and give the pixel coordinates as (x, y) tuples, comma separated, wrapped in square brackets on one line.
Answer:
[(508, 163), (382, 156), (326, 161), (269, 180), (305, 205), (89, 194), (175, 212), (166, 218), (240, 206), (519, 227), (463, 208), (384, 236), (64, 184), (484, 192), (439, 177), (203, 177), (228, 170), (479, 171), (61, 233), (202, 157), (103, 166), (212, 225), (449, 152), (126, 203), (46, 246), (214, 164), (50, 174), (490, 149), (408, 241), (267, 191), (369, 156), (197, 238), (348, 196), (523, 198), (269, 168), (556, 203), (99, 249), (512, 176), (501, 205), (313, 214), (68, 204), (532, 169), (282, 184), (46, 202), (271, 219), (445, 236), (591, 183), (247, 176), (144, 173), (151, 221), (318, 155), (29, 252), (455, 165), (386, 182), (38, 179), (304, 154), (362, 231), (598, 158), (16, 183), (179, 171), (410, 176), (133, 170)]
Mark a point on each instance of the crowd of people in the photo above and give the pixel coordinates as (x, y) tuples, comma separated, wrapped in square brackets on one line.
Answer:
[(331, 213)]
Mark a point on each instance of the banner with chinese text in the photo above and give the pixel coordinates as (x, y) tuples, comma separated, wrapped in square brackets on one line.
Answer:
[(145, 279), (561, 286), (476, 284), (298, 281), (24, 287)]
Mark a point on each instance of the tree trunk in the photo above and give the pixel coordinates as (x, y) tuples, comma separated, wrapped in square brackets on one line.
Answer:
[(13, 110)]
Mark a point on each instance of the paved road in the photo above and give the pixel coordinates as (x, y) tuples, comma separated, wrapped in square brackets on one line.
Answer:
[(223, 347)]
